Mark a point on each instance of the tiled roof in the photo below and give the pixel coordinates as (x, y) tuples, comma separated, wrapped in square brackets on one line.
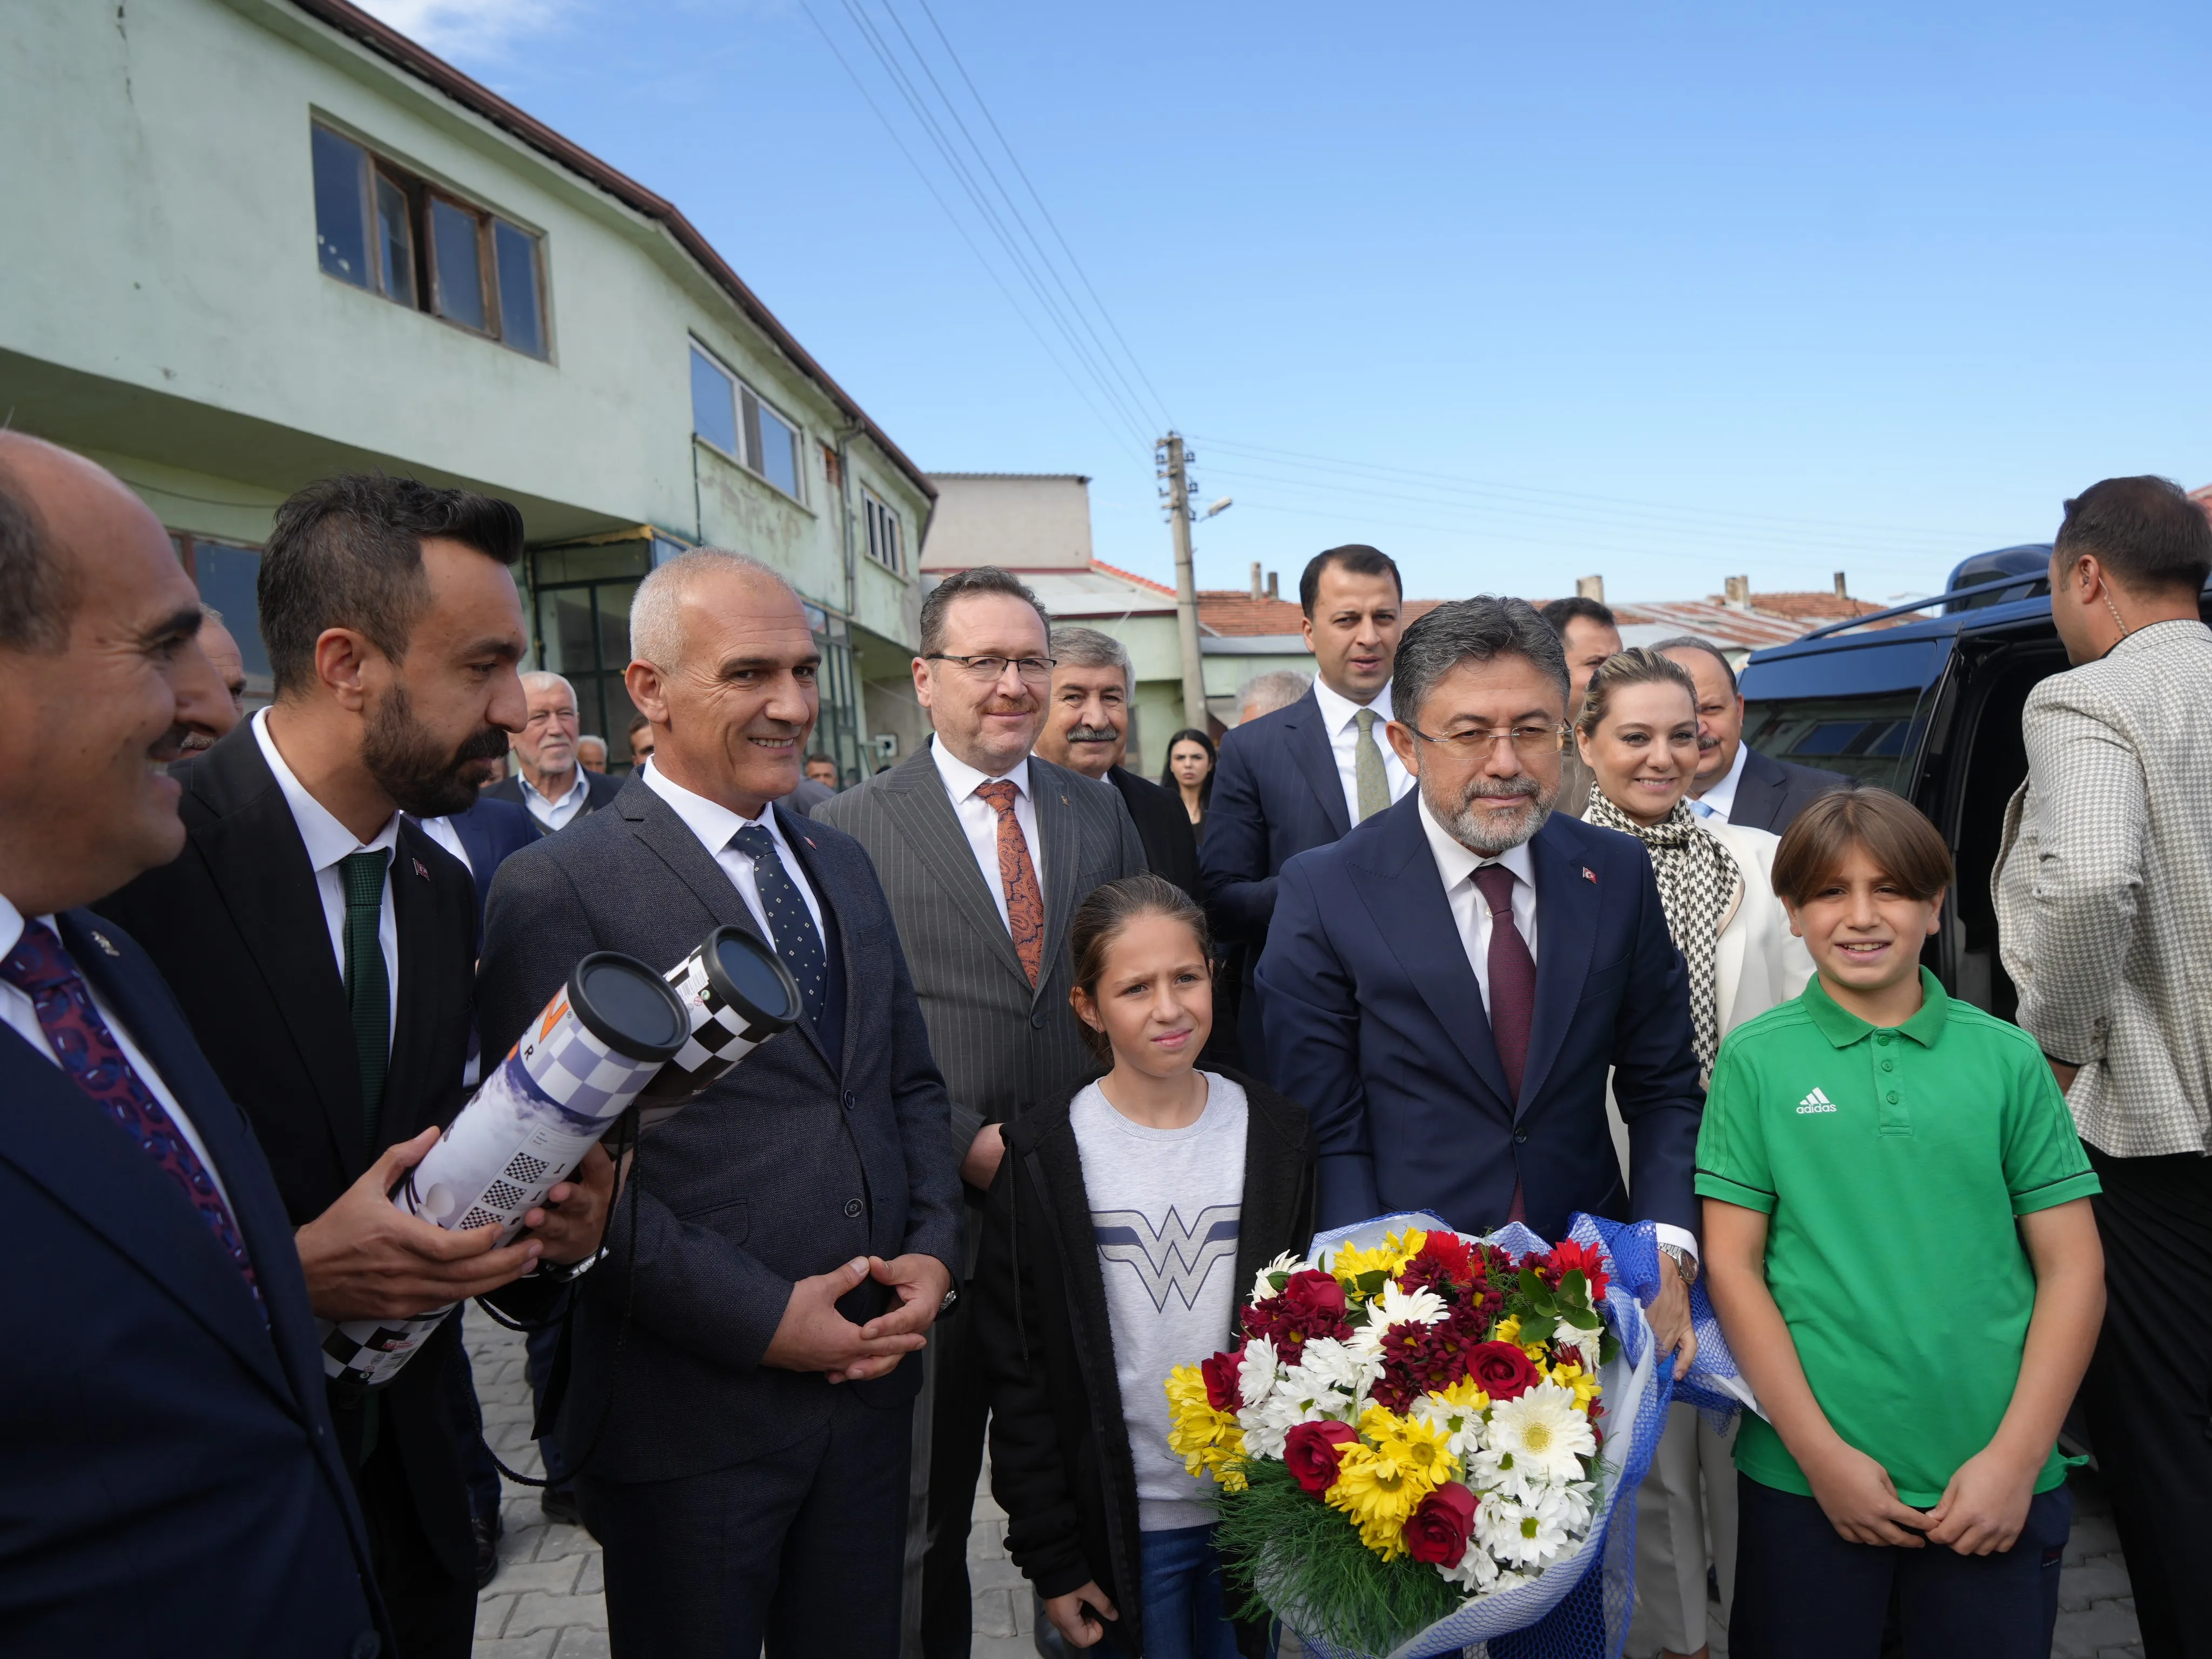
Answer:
[(1235, 613)]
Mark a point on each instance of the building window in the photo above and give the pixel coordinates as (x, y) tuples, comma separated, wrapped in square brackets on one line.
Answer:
[(582, 596), (226, 574), (735, 418), (884, 544), (382, 228)]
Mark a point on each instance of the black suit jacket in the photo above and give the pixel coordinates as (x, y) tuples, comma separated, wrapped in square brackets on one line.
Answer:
[(170, 1481), (599, 790), (1171, 848), (807, 1155), (1770, 793), (236, 926)]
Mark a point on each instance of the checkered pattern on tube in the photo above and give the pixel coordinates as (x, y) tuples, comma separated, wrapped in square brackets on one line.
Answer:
[(720, 1035), (580, 1072)]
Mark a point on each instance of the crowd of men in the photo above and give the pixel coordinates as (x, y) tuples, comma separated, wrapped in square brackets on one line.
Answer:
[(270, 952)]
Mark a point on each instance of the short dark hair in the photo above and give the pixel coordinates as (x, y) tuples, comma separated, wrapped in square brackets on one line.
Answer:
[(1560, 612), (1470, 630), (818, 755), (1891, 829), (39, 586), (983, 579), (637, 723), (1357, 557), (2145, 530), (1692, 642), (1098, 921), (347, 552)]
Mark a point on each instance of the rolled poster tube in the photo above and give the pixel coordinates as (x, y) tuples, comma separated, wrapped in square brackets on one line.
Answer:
[(738, 994)]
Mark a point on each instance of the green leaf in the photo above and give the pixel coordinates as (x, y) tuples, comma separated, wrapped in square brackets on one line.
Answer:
[(1573, 1286), (1609, 1346), (1582, 1319), (1538, 1327), (1370, 1282)]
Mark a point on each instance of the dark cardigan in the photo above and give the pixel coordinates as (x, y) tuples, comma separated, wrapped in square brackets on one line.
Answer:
[(1060, 1449)]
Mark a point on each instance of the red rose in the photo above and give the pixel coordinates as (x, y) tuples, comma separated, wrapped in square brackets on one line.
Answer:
[(1220, 1373), (1437, 1531), (1314, 1295), (1501, 1370), (1310, 1452)]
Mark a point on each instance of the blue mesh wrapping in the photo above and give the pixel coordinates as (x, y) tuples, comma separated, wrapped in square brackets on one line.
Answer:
[(1580, 1607)]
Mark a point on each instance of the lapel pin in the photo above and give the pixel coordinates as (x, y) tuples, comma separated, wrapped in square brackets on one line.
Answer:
[(809, 839), (1590, 875), (102, 940), (423, 870)]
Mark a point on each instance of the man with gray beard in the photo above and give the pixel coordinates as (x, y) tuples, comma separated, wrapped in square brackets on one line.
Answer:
[(1452, 983)]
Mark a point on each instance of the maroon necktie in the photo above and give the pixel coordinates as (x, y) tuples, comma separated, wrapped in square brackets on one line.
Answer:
[(1512, 988)]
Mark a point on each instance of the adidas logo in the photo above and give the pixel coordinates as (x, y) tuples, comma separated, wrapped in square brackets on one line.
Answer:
[(1817, 1101)]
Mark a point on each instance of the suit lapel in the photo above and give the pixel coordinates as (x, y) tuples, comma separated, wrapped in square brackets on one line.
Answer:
[(63, 1140), (1062, 836), (1758, 793), (421, 989), (914, 799), (259, 868), (1566, 932), (1308, 738), (1405, 896)]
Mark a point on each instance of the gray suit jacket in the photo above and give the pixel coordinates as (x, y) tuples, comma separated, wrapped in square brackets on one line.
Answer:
[(797, 1161), (1001, 1045)]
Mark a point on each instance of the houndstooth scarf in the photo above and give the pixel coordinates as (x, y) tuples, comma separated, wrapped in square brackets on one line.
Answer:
[(1699, 887)]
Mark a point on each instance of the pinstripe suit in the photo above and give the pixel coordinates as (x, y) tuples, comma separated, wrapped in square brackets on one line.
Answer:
[(1003, 1046)]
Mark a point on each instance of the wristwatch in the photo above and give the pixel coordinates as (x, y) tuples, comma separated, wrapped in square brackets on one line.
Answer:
[(952, 1300), (1686, 1262), (569, 1273)]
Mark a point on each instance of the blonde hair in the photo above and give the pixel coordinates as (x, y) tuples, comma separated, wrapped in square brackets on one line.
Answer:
[(1638, 665)]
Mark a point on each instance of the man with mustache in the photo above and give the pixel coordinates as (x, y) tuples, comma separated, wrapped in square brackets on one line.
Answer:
[(323, 948), (1453, 982), (984, 850)]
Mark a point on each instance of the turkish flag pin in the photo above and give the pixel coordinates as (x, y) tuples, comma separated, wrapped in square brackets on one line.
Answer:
[(1590, 875), (423, 870)]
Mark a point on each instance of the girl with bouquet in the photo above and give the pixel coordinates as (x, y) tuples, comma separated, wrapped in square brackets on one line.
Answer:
[(1119, 1235)]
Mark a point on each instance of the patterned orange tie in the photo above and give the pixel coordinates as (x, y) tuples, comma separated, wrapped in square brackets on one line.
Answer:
[(1024, 898)]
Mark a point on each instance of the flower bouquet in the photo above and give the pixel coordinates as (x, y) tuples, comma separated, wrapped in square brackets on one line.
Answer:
[(1412, 1437)]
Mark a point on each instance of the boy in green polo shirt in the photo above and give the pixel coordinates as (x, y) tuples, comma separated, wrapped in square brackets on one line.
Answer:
[(1900, 1246)]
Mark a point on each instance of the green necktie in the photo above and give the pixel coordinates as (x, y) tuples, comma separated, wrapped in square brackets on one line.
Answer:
[(1367, 768), (368, 991)]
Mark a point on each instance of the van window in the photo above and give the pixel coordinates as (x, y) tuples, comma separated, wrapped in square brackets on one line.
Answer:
[(1863, 737)]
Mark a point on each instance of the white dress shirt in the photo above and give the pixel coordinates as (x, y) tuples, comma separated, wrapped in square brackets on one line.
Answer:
[(554, 814), (980, 819), (715, 825), (441, 831), (21, 1017), (1455, 867), (327, 841), (1719, 801), (1340, 720)]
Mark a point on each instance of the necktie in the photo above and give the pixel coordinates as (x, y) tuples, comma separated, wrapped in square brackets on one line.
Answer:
[(1512, 989), (1701, 809), (93, 1059), (1024, 898), (797, 940), (368, 991), (1368, 777)]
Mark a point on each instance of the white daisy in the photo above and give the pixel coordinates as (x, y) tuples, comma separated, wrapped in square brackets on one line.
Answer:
[(1328, 1364), (1568, 1507), (1546, 1437), (1395, 1306), (1474, 1571), (1267, 1424), (1492, 1470), (1262, 1282), (1517, 1534), (1461, 1427), (1585, 1345), (1256, 1379)]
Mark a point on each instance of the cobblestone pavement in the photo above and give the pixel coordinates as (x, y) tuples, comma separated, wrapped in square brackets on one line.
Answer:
[(546, 1604)]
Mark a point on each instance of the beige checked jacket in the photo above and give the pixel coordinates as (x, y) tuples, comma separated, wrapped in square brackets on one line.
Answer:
[(2104, 888)]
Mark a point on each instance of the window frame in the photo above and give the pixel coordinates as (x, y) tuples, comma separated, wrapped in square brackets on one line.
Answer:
[(874, 511), (423, 196), (748, 436)]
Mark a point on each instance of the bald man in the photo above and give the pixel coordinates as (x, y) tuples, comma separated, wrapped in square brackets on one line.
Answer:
[(230, 663), (546, 779), (172, 1466)]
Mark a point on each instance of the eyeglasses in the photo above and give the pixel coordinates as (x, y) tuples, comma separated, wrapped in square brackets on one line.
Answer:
[(1472, 742), (991, 668)]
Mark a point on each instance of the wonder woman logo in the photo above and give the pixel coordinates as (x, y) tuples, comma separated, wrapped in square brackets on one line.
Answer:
[(1173, 1258)]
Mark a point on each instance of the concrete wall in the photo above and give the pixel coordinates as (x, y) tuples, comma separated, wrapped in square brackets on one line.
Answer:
[(1019, 520), (163, 303)]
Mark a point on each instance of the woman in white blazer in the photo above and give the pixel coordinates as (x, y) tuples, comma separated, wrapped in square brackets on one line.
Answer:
[(1639, 735)]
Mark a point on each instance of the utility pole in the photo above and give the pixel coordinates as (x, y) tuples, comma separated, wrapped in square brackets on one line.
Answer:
[(1174, 463)]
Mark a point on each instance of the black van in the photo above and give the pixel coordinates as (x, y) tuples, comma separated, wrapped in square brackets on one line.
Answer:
[(1931, 709)]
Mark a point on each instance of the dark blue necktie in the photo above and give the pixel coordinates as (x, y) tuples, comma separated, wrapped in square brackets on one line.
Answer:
[(798, 941)]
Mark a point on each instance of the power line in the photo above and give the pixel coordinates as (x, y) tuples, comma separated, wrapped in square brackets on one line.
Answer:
[(953, 219)]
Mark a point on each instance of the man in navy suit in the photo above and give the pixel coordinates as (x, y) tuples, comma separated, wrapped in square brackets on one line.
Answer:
[(1734, 782), (482, 837), (1302, 776), (170, 1482), (1452, 983)]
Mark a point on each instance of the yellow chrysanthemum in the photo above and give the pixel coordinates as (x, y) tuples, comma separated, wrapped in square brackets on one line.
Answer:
[(1391, 1255), (1425, 1448), (1464, 1397), (1569, 1375), (1379, 1487), (1208, 1441), (1508, 1330)]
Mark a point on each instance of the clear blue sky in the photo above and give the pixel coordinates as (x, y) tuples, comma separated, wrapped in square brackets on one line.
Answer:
[(1666, 293)]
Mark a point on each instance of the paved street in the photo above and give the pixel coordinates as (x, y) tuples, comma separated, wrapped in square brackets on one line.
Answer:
[(545, 1603)]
